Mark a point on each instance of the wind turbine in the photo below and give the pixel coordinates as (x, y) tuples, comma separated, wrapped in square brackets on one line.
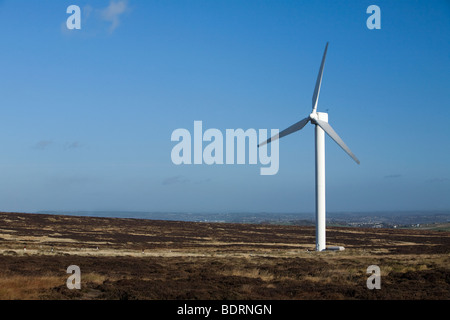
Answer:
[(320, 120)]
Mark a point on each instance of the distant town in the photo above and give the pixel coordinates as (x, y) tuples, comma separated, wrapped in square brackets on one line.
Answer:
[(436, 220)]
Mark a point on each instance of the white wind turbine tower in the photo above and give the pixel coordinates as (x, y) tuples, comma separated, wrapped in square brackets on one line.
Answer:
[(320, 120)]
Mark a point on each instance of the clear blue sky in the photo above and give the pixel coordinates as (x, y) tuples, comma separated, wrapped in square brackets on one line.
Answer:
[(86, 115)]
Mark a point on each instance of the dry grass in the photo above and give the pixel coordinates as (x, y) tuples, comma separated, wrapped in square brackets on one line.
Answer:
[(94, 278), (253, 273), (24, 287), (18, 287)]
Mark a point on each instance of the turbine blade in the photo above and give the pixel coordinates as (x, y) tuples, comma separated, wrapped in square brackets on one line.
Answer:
[(315, 97), (295, 127), (329, 130)]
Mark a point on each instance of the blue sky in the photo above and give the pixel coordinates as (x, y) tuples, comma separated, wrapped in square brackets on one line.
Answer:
[(86, 115)]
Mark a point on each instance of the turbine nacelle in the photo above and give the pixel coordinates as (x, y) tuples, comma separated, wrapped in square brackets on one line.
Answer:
[(314, 116)]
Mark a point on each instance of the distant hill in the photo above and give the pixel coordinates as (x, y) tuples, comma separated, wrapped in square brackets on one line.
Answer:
[(387, 219)]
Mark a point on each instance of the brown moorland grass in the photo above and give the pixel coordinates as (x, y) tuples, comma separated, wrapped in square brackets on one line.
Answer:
[(145, 259)]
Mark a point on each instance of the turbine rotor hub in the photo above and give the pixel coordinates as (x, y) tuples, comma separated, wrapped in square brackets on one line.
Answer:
[(313, 116)]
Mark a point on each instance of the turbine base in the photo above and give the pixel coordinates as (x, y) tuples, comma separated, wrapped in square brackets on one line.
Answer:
[(335, 248)]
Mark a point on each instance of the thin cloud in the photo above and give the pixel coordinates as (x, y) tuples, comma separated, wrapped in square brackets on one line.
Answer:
[(42, 145), (73, 145), (393, 176), (113, 13), (87, 11), (175, 180)]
